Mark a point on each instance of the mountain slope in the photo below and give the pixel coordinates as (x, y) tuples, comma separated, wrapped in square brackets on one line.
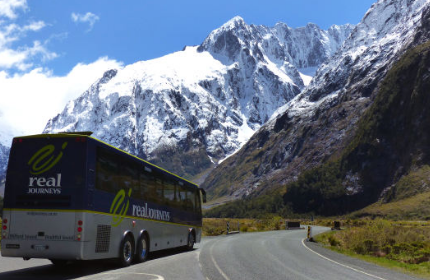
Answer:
[(190, 109), (320, 122), (386, 160), (392, 140)]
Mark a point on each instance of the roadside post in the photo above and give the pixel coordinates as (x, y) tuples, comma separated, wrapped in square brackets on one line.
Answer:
[(233, 231), (336, 225), (310, 233)]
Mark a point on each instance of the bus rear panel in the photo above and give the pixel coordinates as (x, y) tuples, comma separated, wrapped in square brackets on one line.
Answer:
[(45, 185)]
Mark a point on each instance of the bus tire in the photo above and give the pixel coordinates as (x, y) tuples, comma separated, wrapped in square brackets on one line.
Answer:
[(59, 263), (126, 251), (191, 240), (142, 248)]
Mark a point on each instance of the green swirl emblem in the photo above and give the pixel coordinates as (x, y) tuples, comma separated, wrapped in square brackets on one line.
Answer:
[(43, 159), (118, 201)]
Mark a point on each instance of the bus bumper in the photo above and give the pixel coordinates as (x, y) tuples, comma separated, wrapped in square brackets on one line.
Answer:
[(64, 250)]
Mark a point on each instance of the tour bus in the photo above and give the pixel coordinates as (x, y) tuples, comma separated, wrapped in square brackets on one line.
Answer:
[(70, 196)]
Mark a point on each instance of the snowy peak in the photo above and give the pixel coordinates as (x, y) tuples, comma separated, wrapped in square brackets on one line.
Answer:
[(203, 102), (322, 120), (234, 23), (382, 35), (301, 47)]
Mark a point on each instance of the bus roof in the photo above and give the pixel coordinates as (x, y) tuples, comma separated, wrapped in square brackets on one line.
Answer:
[(87, 134)]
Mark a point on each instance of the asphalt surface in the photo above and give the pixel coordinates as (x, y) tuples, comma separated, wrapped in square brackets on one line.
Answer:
[(266, 255)]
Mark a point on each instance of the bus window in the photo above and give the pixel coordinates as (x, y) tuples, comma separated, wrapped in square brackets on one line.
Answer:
[(145, 182), (182, 196), (190, 201), (197, 204), (129, 176), (169, 192), (187, 199), (107, 172), (158, 185)]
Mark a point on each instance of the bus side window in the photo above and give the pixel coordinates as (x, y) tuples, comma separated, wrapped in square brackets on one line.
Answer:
[(182, 196), (158, 186), (148, 187), (107, 172), (144, 183), (169, 192), (188, 203), (129, 176), (197, 204), (192, 197)]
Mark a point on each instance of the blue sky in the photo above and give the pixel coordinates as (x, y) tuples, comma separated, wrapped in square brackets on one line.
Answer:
[(51, 51), (130, 31)]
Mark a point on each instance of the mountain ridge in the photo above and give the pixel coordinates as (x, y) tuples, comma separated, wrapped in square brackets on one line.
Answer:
[(319, 122), (188, 110)]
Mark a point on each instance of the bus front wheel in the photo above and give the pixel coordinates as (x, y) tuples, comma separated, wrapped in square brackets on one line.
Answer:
[(142, 248), (126, 251), (191, 240)]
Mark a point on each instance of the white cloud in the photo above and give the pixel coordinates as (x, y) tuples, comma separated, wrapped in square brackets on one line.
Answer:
[(29, 100), (8, 7), (19, 57), (89, 18), (31, 96)]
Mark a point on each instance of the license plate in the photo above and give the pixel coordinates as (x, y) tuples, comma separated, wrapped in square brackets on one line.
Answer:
[(39, 247)]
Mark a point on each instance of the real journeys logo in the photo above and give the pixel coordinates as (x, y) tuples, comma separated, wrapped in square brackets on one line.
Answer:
[(121, 203), (42, 161), (118, 201)]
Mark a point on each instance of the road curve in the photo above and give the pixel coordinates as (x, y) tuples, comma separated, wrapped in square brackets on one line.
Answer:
[(283, 255), (264, 255)]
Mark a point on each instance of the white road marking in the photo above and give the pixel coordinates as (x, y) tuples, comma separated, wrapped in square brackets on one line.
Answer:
[(280, 263), (215, 263), (344, 265), (157, 277)]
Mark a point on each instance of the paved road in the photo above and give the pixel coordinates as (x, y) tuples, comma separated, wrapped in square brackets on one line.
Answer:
[(266, 255)]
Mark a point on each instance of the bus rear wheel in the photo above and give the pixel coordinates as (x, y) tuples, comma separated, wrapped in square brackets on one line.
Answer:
[(142, 249), (59, 263), (126, 251)]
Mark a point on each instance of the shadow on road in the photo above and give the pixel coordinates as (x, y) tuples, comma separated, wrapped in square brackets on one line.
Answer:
[(76, 269)]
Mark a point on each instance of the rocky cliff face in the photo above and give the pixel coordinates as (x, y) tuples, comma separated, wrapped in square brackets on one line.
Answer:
[(191, 109), (4, 156), (318, 124)]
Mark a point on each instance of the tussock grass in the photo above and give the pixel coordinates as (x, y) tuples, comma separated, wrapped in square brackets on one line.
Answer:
[(402, 245), (218, 226)]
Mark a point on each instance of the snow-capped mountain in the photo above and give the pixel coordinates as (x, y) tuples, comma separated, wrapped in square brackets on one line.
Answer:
[(203, 102), (4, 156), (321, 121)]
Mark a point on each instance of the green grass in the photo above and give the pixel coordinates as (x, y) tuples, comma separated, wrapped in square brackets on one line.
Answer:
[(417, 181), (403, 246), (416, 207)]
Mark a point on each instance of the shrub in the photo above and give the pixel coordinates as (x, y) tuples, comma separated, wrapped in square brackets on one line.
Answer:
[(333, 241)]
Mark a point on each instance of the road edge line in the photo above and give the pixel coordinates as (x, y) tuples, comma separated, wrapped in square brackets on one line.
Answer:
[(344, 265)]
